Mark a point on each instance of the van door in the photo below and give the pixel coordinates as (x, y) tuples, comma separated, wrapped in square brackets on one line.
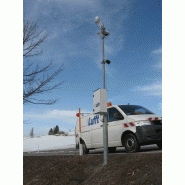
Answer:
[(97, 133), (115, 127)]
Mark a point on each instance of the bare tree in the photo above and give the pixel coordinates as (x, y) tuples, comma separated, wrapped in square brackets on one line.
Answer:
[(36, 79)]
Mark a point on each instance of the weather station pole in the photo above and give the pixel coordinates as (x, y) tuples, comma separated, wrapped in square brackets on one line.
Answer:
[(103, 34)]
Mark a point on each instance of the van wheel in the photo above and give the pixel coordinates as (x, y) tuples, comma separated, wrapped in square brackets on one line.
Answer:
[(159, 144), (85, 150), (112, 149), (131, 143)]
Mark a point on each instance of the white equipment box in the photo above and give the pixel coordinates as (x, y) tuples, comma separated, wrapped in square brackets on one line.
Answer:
[(100, 101)]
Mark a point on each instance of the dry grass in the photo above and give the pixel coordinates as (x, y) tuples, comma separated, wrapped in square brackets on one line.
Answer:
[(121, 169)]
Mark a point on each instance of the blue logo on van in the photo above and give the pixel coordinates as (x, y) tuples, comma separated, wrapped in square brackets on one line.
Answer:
[(93, 121)]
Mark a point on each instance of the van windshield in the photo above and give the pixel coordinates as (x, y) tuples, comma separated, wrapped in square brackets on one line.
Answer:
[(134, 110)]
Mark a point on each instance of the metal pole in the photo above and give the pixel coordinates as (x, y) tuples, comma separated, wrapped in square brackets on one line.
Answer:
[(105, 139), (104, 33), (103, 61), (105, 128)]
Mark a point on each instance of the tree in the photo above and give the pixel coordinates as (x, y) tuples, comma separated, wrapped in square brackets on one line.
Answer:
[(36, 79), (31, 133), (50, 132), (56, 130)]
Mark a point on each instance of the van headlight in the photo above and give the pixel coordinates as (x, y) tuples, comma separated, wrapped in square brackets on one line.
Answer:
[(142, 123)]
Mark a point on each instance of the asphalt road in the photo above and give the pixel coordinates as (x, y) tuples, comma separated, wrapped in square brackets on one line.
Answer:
[(74, 151)]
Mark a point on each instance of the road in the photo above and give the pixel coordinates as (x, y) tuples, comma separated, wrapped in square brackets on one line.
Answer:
[(74, 151)]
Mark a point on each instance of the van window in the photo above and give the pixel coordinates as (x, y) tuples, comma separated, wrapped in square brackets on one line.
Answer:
[(111, 115), (134, 110)]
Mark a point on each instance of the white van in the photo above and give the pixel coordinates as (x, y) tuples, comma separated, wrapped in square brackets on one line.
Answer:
[(128, 125)]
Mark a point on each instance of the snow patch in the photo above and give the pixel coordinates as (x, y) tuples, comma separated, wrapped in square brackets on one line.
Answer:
[(49, 142)]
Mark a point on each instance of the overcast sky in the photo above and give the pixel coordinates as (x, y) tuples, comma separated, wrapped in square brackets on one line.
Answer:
[(134, 48)]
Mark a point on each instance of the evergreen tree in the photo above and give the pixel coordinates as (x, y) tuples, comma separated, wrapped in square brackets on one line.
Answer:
[(50, 132), (56, 130), (31, 133)]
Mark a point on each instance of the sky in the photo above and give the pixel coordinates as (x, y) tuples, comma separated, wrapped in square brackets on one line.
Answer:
[(134, 48)]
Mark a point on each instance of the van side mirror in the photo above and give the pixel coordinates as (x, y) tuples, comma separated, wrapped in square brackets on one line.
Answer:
[(118, 116)]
